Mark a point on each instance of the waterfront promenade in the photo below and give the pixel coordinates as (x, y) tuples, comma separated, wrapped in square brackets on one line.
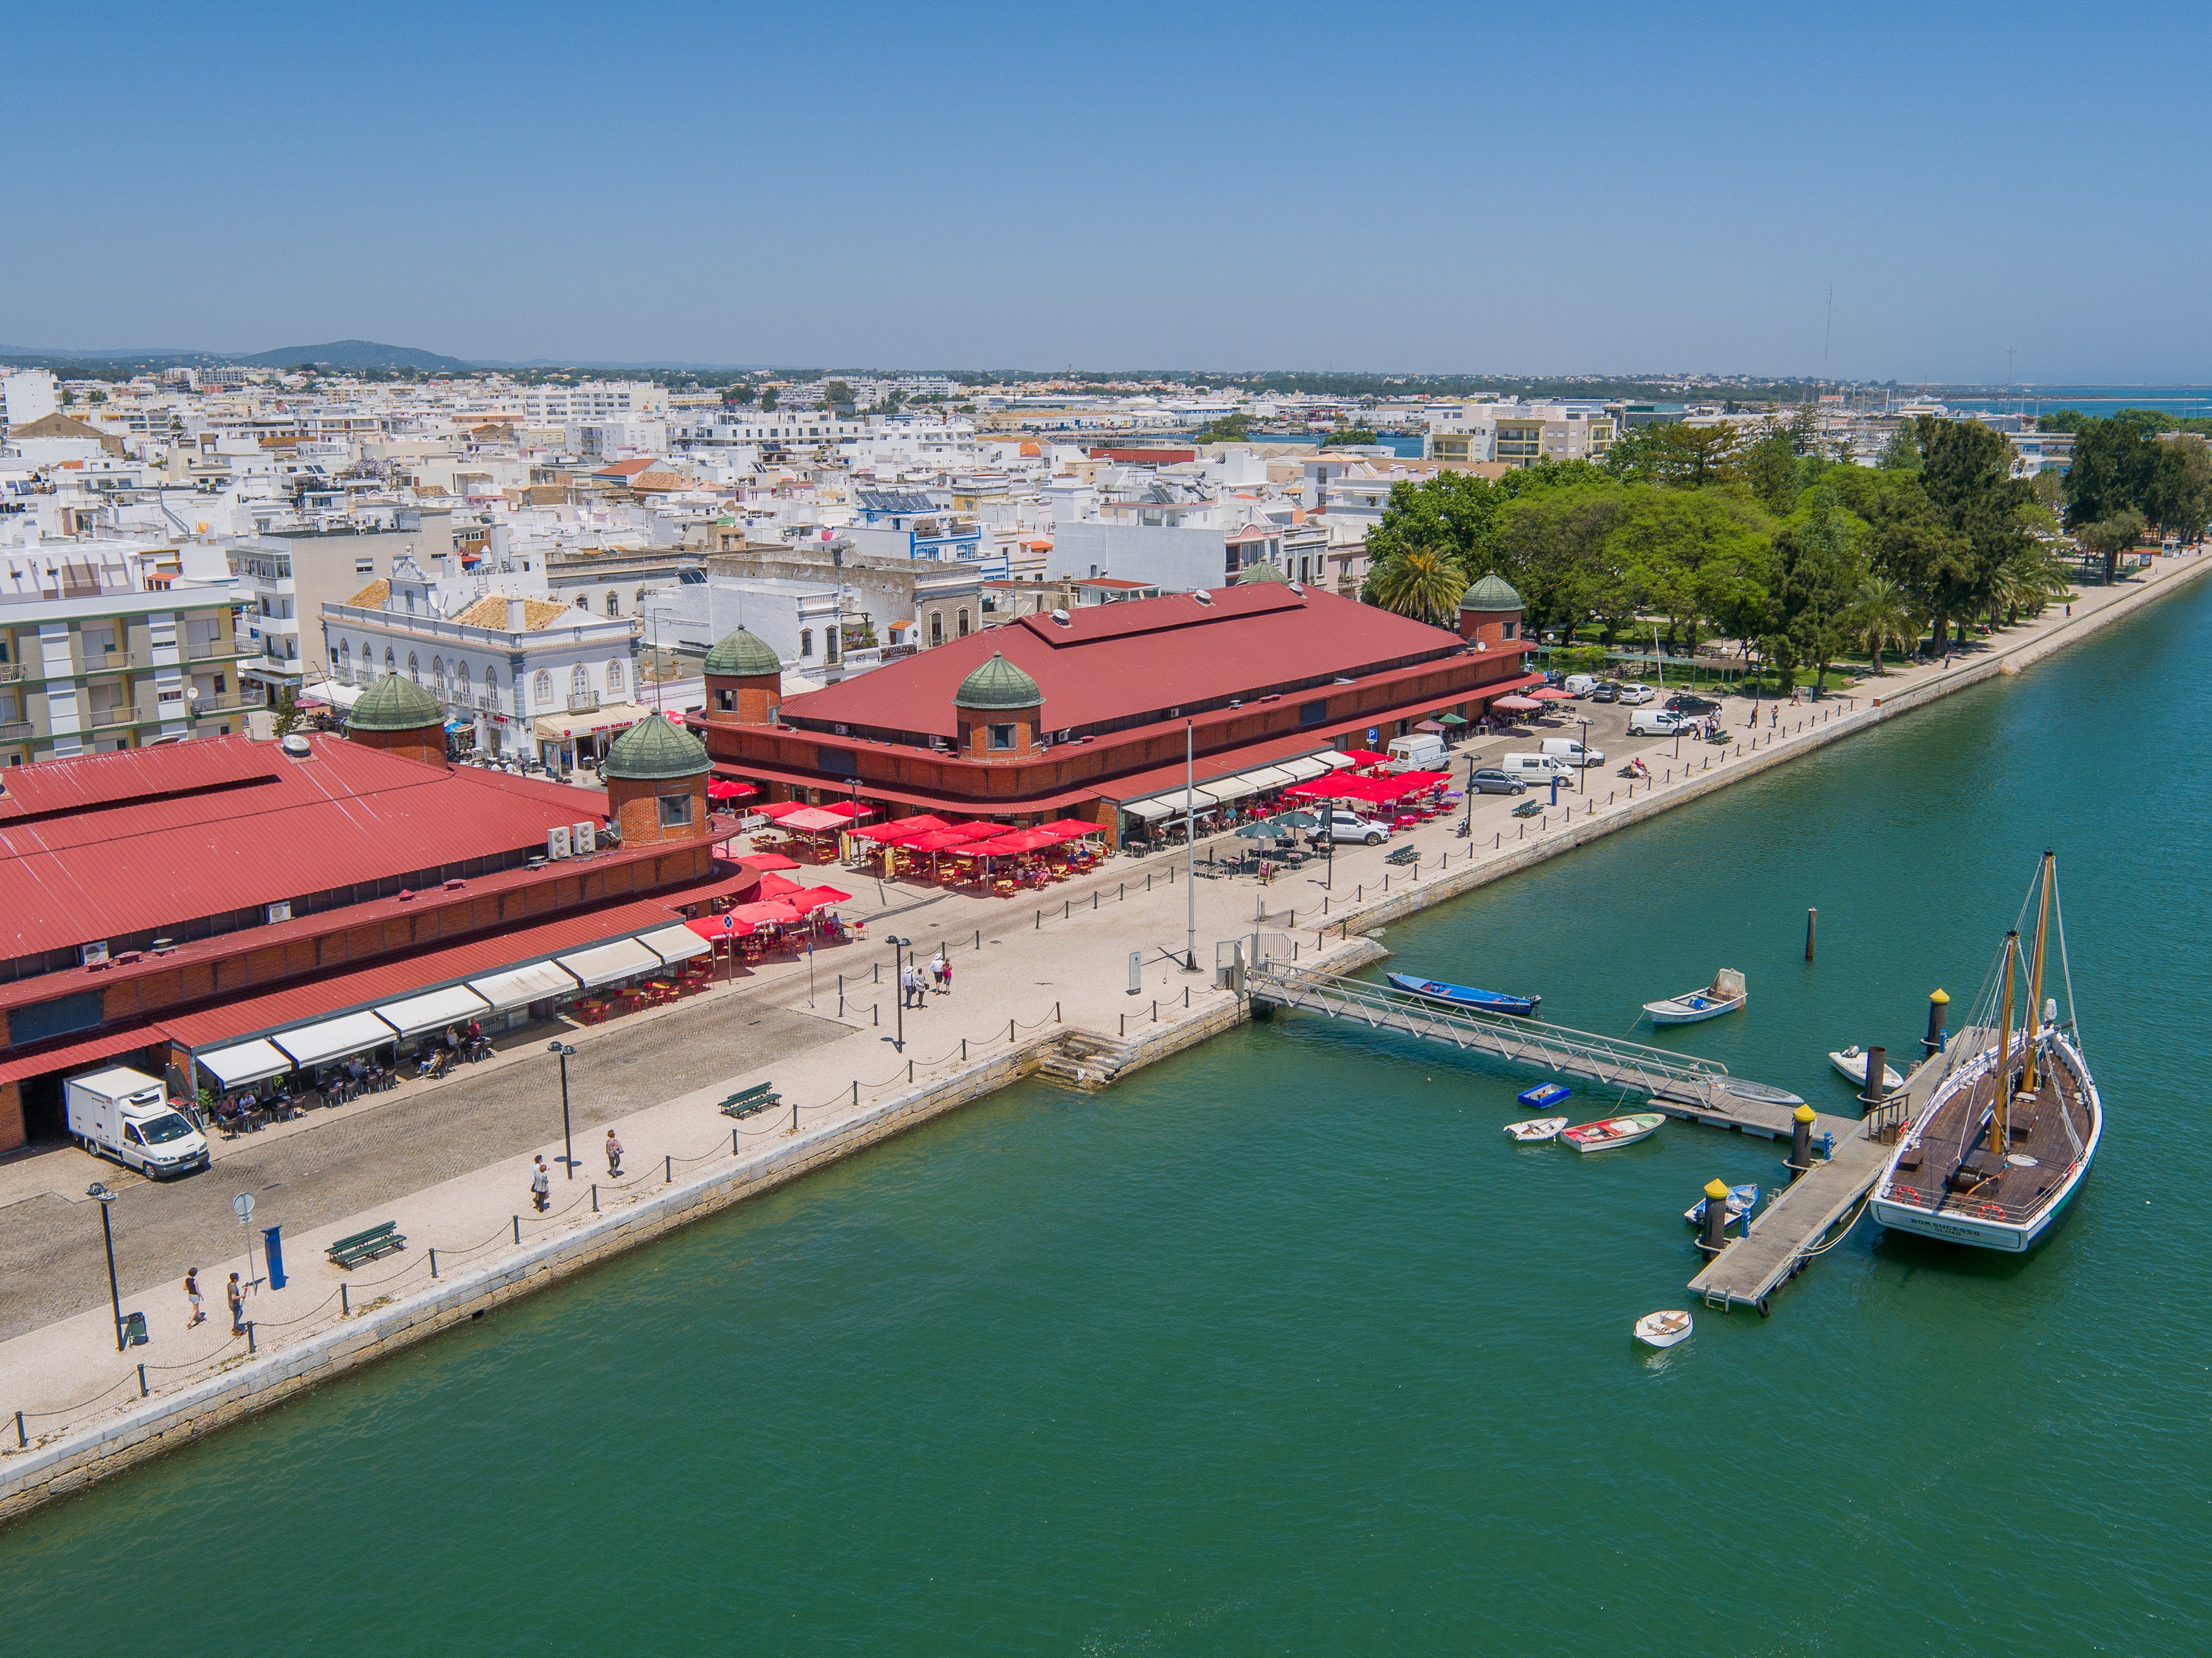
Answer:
[(1057, 977)]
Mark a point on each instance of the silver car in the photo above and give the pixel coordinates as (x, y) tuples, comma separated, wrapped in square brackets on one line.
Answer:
[(1637, 695)]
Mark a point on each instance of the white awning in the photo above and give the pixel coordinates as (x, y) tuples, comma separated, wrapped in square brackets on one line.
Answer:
[(674, 944), (1230, 788), (333, 1039), (553, 727), (1151, 811), (1201, 799), (1268, 777), (246, 1062), (541, 981), (1335, 759), (426, 1012), (604, 963), (1305, 766)]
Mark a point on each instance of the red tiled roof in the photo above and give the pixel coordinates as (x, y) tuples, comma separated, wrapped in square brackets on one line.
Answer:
[(149, 838), (409, 975), (1113, 661)]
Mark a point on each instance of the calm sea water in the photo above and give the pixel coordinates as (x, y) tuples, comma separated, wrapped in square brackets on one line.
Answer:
[(1282, 1347)]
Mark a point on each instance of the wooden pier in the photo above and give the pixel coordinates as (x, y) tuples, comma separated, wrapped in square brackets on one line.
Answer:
[(1792, 1228)]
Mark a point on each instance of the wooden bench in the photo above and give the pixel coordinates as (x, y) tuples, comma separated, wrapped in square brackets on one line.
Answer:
[(366, 1246), (759, 1097)]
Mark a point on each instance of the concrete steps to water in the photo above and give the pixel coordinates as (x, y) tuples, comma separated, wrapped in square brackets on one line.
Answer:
[(1084, 1061)]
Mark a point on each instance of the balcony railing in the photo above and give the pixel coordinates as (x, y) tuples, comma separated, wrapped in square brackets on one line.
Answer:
[(15, 730), (583, 701)]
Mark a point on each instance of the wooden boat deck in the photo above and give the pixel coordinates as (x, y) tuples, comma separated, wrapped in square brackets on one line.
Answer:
[(1955, 1143)]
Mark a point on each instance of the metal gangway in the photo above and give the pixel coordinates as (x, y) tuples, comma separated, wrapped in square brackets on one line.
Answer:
[(1681, 1084)]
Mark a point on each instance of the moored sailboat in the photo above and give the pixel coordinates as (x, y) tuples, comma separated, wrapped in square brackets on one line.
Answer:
[(2007, 1138)]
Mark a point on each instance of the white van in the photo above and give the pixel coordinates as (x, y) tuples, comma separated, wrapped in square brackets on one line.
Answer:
[(1567, 748), (1537, 768), (125, 1115), (1422, 752), (1658, 722), (1580, 685)]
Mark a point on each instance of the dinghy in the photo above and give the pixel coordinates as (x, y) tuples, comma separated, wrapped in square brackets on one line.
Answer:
[(1724, 995), (1742, 1201), (1543, 1093), (1604, 1135), (1663, 1329), (1536, 1129), (1850, 1064), (1482, 1001)]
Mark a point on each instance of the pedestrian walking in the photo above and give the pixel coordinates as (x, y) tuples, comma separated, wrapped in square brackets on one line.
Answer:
[(541, 1185), (613, 1156), (193, 1294), (945, 969), (234, 1293), (939, 972), (1774, 716)]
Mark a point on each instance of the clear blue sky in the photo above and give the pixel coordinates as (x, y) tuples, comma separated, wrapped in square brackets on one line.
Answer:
[(1457, 188)]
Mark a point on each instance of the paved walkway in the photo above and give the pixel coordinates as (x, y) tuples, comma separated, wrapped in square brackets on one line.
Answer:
[(456, 1179)]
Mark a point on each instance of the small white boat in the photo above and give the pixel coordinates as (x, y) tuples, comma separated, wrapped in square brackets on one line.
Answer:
[(1724, 995), (1536, 1129), (1604, 1135), (1850, 1064), (1663, 1329)]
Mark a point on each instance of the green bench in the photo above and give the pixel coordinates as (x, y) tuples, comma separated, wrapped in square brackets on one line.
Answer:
[(366, 1246), (759, 1097), (1403, 855)]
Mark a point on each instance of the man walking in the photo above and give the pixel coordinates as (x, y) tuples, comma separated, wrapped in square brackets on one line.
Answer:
[(234, 1293), (940, 973), (541, 1185), (193, 1294), (613, 1156)]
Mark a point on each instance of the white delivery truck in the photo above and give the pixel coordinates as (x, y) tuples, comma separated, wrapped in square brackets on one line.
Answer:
[(1423, 751), (1567, 748), (125, 1115)]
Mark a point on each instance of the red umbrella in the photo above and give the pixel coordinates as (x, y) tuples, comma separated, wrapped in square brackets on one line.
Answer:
[(781, 914), (816, 898), (776, 811), (1516, 704), (757, 861), (849, 809), (1013, 842), (1365, 756), (710, 927), (1551, 693), (944, 839), (1324, 788), (884, 834), (1069, 828), (775, 886), (725, 788)]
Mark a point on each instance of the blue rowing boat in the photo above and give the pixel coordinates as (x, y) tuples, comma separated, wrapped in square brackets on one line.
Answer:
[(1482, 1001)]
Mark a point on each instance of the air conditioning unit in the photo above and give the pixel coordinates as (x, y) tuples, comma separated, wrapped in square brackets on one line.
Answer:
[(581, 837), (281, 911), (556, 842), (95, 955)]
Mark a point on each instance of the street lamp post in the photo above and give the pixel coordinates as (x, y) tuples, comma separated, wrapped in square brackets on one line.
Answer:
[(567, 1140), (898, 983), (1582, 783), (101, 1195), (1467, 827)]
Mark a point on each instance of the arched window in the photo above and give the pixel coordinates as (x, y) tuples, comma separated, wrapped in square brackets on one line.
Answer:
[(541, 688), (492, 683), (345, 660), (460, 682), (805, 641), (583, 601), (614, 603), (614, 678), (388, 666), (438, 678), (963, 622), (937, 627), (580, 683), (414, 668)]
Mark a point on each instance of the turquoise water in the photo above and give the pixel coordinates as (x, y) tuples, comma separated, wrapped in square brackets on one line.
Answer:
[(1281, 1347)]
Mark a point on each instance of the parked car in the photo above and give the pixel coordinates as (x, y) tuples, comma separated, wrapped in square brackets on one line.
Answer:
[(1567, 748), (1659, 722), (1609, 692), (1634, 696), (1491, 781), (1351, 826), (1537, 768), (1683, 702), (1580, 685)]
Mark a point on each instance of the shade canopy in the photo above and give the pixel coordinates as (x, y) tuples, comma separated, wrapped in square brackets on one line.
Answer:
[(945, 839), (541, 981), (604, 963), (1551, 693), (1516, 704), (417, 1014), (726, 788), (898, 828), (1013, 843), (1256, 831), (334, 1039), (852, 811), (672, 944), (1365, 756), (761, 862), (1309, 766), (1450, 720), (244, 1062), (1069, 828), (1150, 810), (775, 886), (816, 898), (712, 928), (1329, 759), (776, 811), (781, 913), (813, 820), (1430, 725)]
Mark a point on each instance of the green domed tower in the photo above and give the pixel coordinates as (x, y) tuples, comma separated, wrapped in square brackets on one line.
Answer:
[(656, 773), (398, 716), (1489, 612), (744, 681), (1001, 712)]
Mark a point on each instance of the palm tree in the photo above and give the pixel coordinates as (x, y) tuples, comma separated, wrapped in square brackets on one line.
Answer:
[(1420, 582), (1882, 615)]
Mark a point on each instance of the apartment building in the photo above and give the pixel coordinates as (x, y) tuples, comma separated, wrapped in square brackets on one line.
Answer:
[(107, 645), (594, 400), (1517, 435), (287, 576)]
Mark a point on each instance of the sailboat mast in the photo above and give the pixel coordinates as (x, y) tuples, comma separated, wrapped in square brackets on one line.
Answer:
[(2035, 976), (2001, 1117)]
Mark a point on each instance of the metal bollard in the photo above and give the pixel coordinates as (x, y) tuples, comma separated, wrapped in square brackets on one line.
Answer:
[(250, 1348), (434, 1263), (668, 1163), (1801, 1141), (22, 1440), (1715, 1237), (733, 1142), (595, 1197), (1871, 1093), (345, 1305), (518, 1228), (1939, 1006), (1094, 900), (964, 1050), (1186, 996), (141, 1381), (1812, 921), (1156, 1010), (909, 1070)]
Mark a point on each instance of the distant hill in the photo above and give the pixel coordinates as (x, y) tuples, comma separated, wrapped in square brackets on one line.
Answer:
[(355, 354)]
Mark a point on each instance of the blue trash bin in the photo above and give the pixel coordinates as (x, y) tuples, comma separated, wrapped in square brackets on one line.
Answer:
[(273, 1247)]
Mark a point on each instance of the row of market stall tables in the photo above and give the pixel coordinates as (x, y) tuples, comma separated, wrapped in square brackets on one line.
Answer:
[(1037, 856)]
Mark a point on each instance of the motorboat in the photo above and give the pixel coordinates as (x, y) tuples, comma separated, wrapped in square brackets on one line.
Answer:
[(1724, 995), (2007, 1137), (1480, 1001), (1663, 1329), (1742, 1202), (1850, 1064), (1610, 1131), (1536, 1129)]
